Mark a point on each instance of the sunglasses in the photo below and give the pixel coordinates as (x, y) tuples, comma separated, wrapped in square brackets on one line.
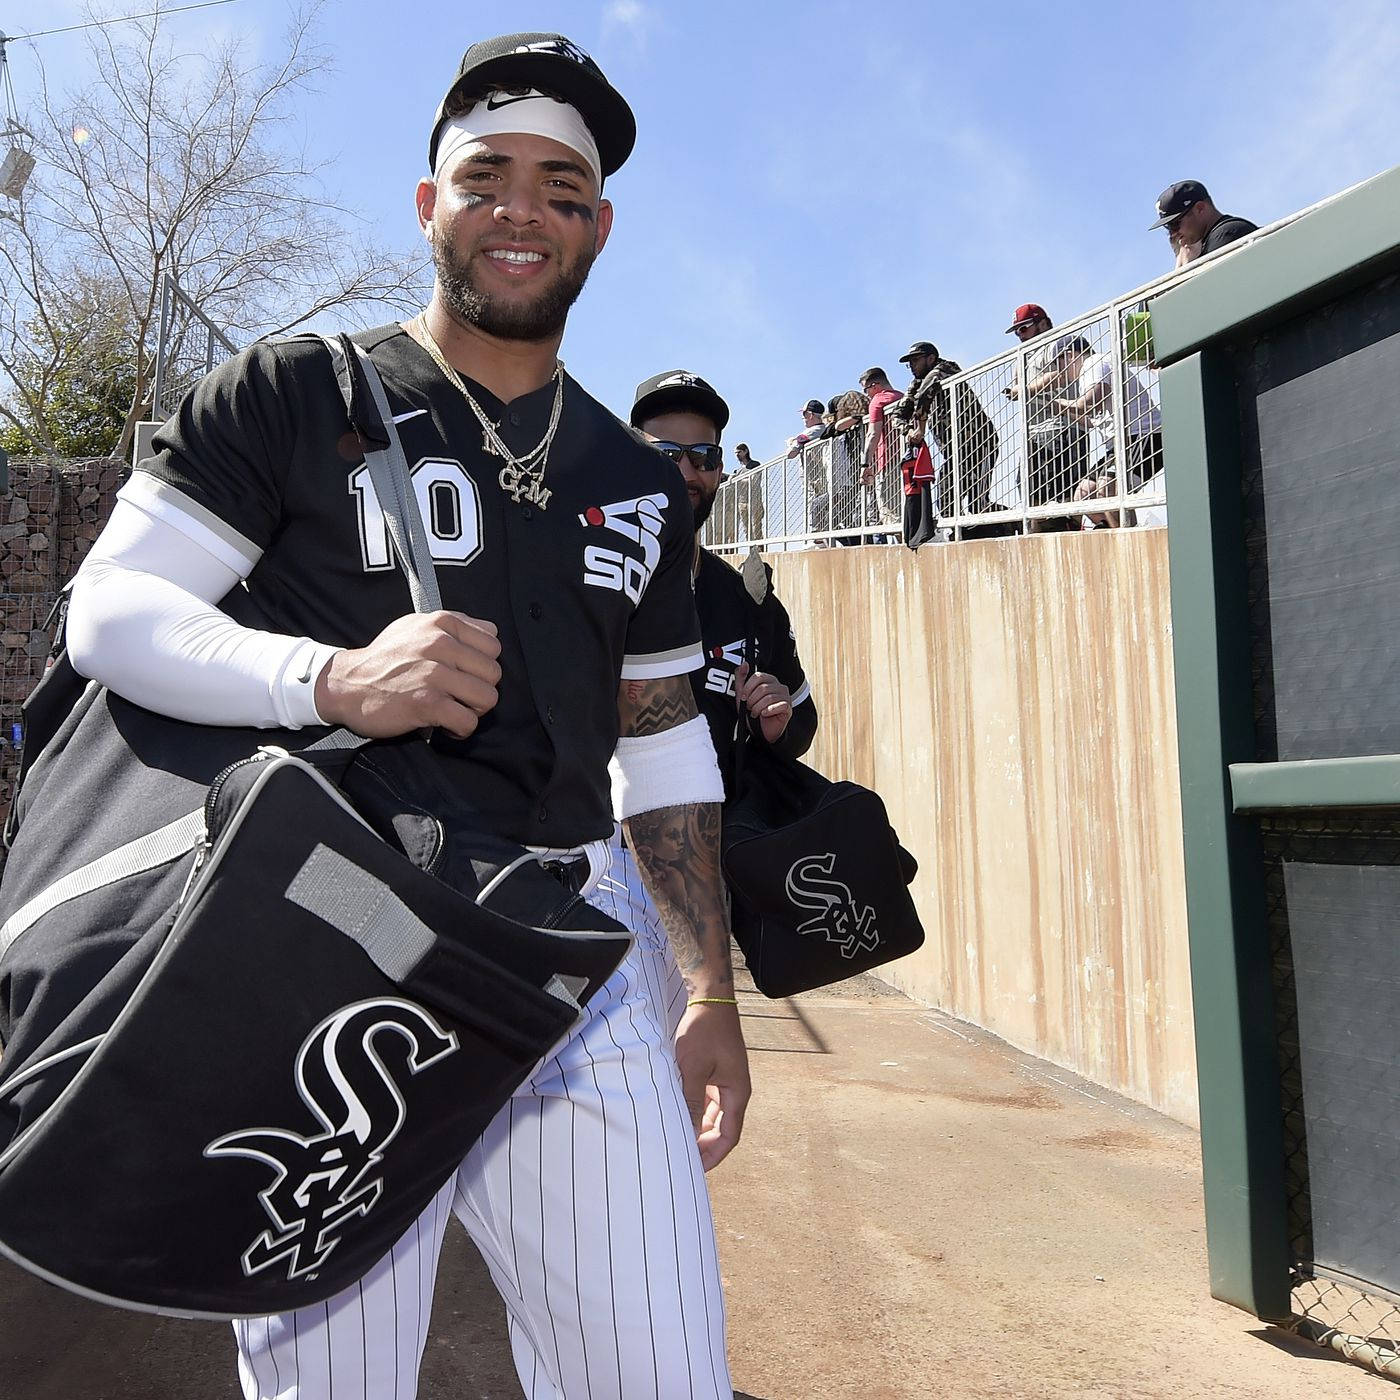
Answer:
[(704, 456)]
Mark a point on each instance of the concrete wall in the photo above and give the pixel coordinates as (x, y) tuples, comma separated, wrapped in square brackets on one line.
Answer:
[(1012, 702)]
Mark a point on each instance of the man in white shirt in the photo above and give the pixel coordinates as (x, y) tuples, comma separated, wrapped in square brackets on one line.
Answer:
[(1142, 425), (1058, 441)]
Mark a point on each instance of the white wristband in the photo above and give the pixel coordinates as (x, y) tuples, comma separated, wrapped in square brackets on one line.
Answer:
[(669, 769)]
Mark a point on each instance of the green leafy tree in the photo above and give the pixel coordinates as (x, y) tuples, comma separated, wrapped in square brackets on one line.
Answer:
[(78, 384)]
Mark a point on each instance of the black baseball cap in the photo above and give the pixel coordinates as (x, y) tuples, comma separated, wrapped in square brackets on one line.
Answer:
[(556, 65), (678, 389), (1176, 199), (919, 347), (814, 406)]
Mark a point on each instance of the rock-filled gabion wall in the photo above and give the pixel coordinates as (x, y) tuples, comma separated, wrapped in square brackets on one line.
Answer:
[(48, 519)]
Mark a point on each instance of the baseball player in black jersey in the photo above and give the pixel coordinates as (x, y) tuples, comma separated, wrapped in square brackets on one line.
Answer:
[(247, 578), (683, 417)]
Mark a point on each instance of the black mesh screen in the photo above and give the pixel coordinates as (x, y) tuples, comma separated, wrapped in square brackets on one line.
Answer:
[(1321, 459), (1321, 482), (1333, 890)]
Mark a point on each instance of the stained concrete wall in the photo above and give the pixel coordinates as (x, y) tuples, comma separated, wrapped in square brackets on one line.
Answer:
[(1012, 702)]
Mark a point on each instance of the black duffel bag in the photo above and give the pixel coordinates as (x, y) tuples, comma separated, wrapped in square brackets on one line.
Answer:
[(275, 1079), (253, 1019), (817, 879)]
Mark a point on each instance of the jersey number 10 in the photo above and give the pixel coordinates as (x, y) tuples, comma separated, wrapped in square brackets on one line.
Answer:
[(448, 501)]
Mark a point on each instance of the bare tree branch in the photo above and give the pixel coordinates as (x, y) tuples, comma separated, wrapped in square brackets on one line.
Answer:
[(188, 171)]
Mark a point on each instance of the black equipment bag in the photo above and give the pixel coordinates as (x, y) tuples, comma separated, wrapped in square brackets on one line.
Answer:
[(817, 879), (251, 1023), (278, 1077)]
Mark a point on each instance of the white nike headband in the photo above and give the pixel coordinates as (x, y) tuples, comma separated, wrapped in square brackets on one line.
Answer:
[(529, 114)]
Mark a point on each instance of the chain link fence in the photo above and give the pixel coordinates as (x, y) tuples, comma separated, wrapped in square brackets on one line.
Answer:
[(1333, 1005)]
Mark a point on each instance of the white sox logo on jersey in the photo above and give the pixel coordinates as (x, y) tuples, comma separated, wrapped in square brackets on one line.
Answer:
[(348, 1077), (810, 887), (716, 677), (638, 520)]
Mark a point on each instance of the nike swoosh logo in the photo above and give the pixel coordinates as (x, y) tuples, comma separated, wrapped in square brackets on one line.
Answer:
[(497, 100), (413, 413)]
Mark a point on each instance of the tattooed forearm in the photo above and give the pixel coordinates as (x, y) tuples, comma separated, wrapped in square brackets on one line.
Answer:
[(677, 850), (652, 707)]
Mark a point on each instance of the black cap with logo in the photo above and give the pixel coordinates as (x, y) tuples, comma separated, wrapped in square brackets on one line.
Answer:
[(1176, 199), (555, 65), (919, 347), (675, 389)]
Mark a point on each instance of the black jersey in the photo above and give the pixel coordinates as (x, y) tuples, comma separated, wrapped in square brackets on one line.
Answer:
[(592, 590), (729, 617)]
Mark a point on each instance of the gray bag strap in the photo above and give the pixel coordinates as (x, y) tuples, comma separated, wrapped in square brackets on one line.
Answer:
[(393, 485), (388, 468)]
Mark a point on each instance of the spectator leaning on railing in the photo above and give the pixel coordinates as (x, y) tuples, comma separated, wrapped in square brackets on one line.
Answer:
[(1193, 223), (875, 384), (927, 405), (750, 493), (848, 415), (1058, 442), (1142, 423), (812, 412)]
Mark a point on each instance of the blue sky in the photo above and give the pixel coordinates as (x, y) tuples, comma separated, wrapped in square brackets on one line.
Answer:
[(816, 185)]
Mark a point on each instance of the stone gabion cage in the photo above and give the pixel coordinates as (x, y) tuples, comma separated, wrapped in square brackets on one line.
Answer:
[(49, 518)]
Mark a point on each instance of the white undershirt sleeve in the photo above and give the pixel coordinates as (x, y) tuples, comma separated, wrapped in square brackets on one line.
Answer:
[(142, 621)]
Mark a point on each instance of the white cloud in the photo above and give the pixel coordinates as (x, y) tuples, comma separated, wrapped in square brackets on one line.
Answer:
[(630, 18)]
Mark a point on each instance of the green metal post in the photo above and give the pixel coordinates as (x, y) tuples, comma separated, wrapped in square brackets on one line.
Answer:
[(1237, 1064)]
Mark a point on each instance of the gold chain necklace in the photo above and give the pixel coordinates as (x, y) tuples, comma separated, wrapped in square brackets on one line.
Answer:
[(522, 478)]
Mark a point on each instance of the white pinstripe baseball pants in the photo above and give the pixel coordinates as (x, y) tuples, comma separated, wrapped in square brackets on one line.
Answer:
[(588, 1202)]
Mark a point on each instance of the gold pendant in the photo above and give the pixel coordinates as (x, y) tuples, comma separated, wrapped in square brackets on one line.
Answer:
[(523, 487)]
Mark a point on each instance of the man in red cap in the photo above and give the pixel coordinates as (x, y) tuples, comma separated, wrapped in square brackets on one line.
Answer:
[(1058, 442)]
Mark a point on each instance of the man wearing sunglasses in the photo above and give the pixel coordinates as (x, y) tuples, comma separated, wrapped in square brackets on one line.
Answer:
[(683, 418)]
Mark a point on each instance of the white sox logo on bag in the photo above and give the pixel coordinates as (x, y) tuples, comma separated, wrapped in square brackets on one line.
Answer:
[(346, 1073), (809, 885)]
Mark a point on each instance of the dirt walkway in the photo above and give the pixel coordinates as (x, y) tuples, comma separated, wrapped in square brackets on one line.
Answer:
[(917, 1210)]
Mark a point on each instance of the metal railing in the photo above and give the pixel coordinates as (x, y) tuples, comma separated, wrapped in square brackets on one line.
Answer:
[(1005, 461), (190, 345)]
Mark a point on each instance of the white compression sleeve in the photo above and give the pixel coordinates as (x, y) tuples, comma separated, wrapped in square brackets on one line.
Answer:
[(665, 770), (142, 621)]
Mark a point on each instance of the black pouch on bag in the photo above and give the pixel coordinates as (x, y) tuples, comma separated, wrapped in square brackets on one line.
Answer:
[(818, 881), (313, 1043)]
